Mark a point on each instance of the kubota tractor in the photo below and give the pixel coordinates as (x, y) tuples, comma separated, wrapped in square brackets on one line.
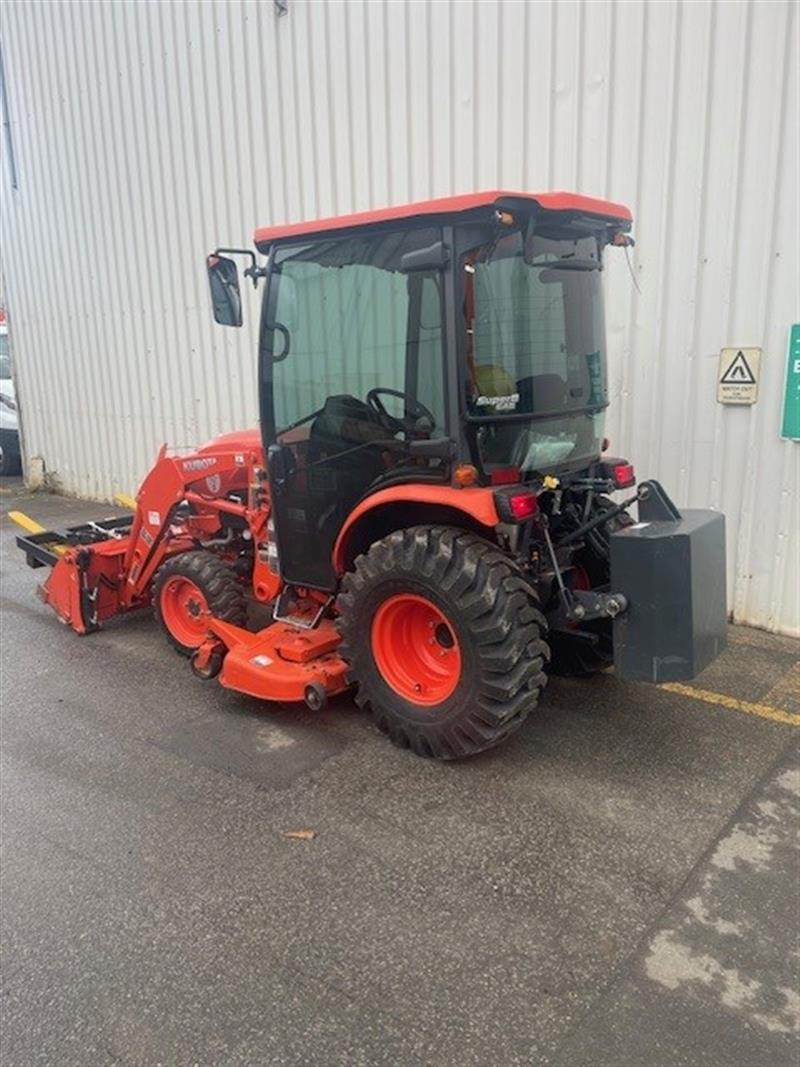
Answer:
[(428, 505)]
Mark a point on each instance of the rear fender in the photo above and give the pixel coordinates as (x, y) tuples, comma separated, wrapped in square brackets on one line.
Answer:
[(401, 506)]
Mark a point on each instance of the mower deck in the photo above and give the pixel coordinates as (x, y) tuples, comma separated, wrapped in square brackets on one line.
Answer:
[(282, 662)]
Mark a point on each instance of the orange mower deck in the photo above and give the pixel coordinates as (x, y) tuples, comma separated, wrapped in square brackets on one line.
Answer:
[(282, 662)]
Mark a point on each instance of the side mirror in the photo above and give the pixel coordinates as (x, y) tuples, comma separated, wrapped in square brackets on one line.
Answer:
[(226, 300)]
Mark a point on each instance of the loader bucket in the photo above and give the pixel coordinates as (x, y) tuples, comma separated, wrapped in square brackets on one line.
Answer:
[(87, 562)]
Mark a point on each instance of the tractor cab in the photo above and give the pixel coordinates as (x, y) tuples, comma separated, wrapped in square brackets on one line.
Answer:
[(398, 348)]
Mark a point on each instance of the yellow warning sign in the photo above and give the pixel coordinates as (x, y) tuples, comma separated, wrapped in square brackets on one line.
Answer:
[(738, 375)]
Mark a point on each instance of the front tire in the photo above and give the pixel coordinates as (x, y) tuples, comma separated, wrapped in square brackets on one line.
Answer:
[(444, 638), (190, 587)]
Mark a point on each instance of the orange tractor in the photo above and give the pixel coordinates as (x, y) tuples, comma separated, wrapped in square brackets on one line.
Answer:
[(427, 507)]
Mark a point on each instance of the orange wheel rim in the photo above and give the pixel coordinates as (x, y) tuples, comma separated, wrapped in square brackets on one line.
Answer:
[(415, 649), (184, 610)]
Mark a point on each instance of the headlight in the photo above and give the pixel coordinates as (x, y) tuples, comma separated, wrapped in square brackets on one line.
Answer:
[(7, 402)]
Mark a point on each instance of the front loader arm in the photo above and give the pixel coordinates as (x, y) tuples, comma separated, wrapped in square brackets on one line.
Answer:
[(158, 496), (172, 480)]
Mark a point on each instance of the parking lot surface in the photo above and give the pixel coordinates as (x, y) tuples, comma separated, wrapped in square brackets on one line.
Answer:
[(616, 885)]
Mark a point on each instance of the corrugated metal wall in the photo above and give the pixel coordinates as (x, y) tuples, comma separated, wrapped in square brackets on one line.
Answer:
[(146, 133)]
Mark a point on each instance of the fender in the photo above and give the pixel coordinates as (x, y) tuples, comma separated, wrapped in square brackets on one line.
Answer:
[(477, 504)]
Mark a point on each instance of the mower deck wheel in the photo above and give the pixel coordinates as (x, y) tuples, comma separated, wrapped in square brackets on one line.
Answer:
[(316, 697), (189, 588), (210, 670)]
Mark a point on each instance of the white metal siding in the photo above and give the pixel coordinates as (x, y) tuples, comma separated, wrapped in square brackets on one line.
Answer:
[(147, 133)]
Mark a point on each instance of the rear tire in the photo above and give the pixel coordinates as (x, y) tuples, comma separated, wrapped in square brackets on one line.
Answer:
[(431, 596), (187, 589)]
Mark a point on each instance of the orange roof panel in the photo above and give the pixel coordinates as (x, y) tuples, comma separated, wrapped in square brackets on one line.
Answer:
[(587, 205)]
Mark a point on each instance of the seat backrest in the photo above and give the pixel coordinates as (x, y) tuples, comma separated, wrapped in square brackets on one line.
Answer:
[(543, 392), (343, 425)]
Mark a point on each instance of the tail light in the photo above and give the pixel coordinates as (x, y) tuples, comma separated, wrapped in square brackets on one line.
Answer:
[(516, 506), (620, 472), (623, 475)]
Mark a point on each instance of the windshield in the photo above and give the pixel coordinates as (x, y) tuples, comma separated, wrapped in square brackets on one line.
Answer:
[(535, 348)]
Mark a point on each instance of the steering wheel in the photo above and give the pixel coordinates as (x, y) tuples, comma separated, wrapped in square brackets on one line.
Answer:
[(415, 410)]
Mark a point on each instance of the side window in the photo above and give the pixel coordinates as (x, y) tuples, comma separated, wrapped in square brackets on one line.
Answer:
[(345, 308)]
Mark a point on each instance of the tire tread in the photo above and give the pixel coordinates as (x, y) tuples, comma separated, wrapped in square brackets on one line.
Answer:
[(494, 602), (214, 577)]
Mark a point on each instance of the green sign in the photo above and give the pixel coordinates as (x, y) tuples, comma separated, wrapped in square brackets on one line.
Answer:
[(790, 427)]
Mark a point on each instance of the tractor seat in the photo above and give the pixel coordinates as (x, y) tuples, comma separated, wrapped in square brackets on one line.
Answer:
[(338, 469), (344, 424)]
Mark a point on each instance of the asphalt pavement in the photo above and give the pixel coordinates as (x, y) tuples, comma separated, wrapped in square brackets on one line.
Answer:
[(618, 885)]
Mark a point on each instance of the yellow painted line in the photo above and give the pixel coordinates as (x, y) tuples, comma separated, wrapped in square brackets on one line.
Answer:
[(125, 501), (31, 526), (28, 524), (765, 711)]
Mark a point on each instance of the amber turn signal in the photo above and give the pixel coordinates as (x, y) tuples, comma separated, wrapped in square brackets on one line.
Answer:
[(465, 475)]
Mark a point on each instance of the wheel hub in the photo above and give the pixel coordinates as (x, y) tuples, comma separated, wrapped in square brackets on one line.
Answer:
[(415, 649), (184, 609)]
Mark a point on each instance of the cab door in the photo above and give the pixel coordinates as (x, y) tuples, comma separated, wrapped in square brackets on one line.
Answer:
[(344, 321)]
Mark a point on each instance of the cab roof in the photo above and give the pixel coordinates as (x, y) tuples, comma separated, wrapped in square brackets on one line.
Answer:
[(447, 205)]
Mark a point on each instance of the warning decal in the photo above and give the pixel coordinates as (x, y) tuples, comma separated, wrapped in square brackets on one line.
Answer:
[(738, 375), (739, 372)]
